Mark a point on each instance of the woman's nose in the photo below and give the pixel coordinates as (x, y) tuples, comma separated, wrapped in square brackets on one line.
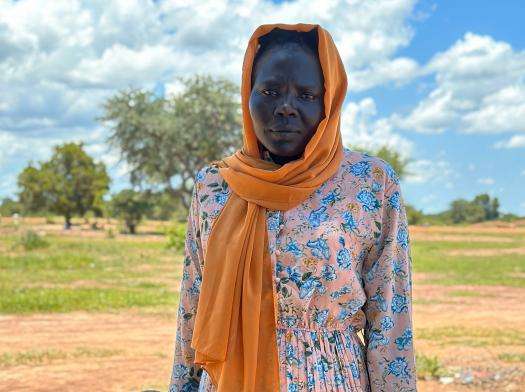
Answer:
[(285, 108)]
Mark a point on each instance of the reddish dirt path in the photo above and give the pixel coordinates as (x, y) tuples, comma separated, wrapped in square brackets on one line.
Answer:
[(143, 344)]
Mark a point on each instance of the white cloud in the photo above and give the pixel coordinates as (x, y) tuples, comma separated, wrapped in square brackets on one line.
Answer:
[(60, 60), (361, 128), (67, 54), (423, 171), (479, 87), (515, 141), (486, 181), (503, 110), (398, 71)]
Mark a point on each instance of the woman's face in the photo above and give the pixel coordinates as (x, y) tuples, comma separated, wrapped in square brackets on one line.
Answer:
[(286, 101)]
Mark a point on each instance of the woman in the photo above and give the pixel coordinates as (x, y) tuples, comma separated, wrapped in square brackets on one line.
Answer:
[(295, 243)]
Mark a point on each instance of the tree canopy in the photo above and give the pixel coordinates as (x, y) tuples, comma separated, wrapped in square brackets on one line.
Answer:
[(166, 141), (69, 184)]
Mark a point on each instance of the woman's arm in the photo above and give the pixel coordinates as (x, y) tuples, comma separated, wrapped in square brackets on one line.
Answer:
[(185, 374), (387, 275)]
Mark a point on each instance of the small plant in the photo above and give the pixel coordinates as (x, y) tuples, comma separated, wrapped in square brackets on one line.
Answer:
[(176, 234), (50, 219), (30, 240), (429, 367), (110, 233)]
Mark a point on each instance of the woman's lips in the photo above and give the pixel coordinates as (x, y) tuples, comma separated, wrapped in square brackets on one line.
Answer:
[(283, 131), (283, 135)]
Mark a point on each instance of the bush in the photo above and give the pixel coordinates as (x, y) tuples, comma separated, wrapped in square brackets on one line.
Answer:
[(176, 234), (429, 367), (50, 219), (30, 240), (110, 233), (414, 216)]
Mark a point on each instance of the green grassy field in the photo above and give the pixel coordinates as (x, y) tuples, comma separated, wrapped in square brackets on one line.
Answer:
[(99, 274), (87, 274)]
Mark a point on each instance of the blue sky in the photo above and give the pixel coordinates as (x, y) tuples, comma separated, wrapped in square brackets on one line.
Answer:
[(442, 82)]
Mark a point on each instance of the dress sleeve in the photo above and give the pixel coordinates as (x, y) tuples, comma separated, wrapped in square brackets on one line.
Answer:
[(185, 374), (387, 276)]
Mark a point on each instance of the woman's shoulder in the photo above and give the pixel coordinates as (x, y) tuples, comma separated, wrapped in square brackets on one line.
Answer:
[(211, 189)]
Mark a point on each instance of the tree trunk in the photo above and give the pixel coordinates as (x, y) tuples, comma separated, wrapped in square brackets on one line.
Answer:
[(67, 224)]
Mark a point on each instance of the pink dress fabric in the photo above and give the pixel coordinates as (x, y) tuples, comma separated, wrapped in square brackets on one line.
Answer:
[(342, 283)]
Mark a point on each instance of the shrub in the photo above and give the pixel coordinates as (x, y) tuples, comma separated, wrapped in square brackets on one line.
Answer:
[(176, 234), (30, 240)]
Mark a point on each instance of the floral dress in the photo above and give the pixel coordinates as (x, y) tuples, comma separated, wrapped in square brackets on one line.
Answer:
[(341, 266)]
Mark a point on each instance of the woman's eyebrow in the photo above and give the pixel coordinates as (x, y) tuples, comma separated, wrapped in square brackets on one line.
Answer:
[(273, 81)]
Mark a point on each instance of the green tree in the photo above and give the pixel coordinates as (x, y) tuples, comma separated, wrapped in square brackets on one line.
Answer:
[(9, 206), (166, 140), (464, 211), (490, 206), (494, 210), (35, 185), (69, 184), (414, 216), (130, 206)]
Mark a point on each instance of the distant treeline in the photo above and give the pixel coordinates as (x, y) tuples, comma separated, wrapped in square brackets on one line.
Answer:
[(481, 208)]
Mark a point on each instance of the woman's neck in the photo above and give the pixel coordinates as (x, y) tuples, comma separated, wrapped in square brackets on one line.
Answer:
[(282, 160)]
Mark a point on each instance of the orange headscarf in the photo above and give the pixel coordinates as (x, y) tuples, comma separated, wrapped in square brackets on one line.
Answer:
[(234, 335)]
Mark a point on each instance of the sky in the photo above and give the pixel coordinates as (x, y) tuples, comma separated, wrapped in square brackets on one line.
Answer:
[(441, 82)]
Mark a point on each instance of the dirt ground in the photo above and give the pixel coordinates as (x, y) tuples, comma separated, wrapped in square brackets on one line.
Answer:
[(133, 351)]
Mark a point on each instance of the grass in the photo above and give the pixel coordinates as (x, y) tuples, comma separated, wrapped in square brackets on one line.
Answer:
[(75, 273), (473, 337), (469, 293), (29, 300), (429, 367), (430, 257), (511, 357), (101, 274), (40, 357)]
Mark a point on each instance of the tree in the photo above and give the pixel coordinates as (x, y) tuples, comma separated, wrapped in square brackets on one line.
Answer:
[(9, 206), (462, 210), (490, 206), (414, 216), (35, 185), (494, 211), (69, 184), (165, 141), (394, 158), (130, 206)]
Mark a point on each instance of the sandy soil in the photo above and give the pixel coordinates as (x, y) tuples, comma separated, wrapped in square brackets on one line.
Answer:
[(142, 346)]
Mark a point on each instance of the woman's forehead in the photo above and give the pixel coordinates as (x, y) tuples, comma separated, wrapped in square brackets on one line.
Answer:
[(277, 65)]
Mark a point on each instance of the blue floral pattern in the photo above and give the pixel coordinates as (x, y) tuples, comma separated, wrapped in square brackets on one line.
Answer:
[(342, 283)]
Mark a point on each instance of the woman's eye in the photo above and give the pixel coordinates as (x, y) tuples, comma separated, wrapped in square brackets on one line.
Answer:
[(309, 96), (268, 92)]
